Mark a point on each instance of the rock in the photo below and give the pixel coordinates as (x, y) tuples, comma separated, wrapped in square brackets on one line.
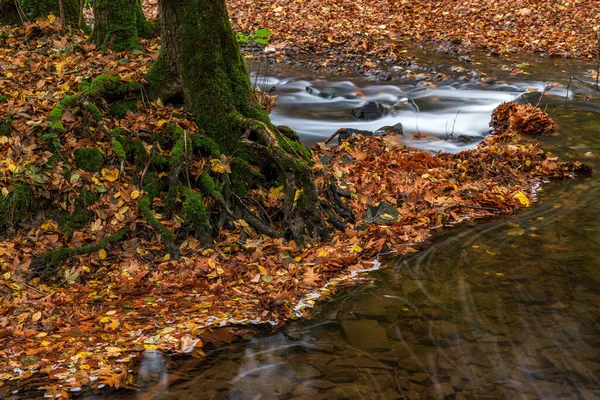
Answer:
[(365, 334), (397, 129), (368, 112), (348, 133), (320, 384), (442, 390), (384, 213), (464, 139), (319, 93), (307, 372), (326, 159)]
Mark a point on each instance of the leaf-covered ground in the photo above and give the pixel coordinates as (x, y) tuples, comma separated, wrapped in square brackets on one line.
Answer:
[(87, 327), (363, 34)]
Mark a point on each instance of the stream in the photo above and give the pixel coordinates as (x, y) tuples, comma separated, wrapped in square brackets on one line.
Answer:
[(503, 309)]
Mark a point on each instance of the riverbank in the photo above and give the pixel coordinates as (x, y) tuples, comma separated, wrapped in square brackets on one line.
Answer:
[(369, 37)]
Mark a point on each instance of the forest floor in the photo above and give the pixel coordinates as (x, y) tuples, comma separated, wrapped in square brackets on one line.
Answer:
[(87, 327)]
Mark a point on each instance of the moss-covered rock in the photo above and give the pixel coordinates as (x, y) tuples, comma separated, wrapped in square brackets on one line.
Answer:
[(89, 159)]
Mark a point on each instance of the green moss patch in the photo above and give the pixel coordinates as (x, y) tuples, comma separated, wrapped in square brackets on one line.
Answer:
[(89, 159)]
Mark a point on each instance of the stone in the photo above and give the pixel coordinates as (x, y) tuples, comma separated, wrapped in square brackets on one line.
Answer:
[(307, 372), (442, 390), (349, 133), (384, 213), (368, 112), (385, 130), (320, 384), (365, 334)]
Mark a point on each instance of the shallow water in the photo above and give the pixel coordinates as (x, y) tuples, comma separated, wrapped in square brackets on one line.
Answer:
[(507, 309)]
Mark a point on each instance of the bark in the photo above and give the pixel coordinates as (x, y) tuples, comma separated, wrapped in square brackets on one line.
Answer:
[(34, 9), (200, 65), (119, 24)]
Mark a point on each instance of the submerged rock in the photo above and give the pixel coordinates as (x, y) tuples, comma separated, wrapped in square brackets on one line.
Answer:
[(368, 112), (384, 213), (365, 334)]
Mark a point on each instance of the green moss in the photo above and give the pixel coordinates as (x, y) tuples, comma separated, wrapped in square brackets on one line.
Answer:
[(161, 163), (15, 207), (94, 111), (118, 149), (71, 222), (56, 119), (6, 127), (208, 186), (206, 146), (145, 208), (125, 24), (34, 9), (120, 108), (102, 84), (194, 214), (89, 159), (153, 186), (3, 99)]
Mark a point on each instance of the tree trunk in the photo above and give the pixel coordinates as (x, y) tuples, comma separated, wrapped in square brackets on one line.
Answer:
[(200, 64), (34, 9), (119, 24)]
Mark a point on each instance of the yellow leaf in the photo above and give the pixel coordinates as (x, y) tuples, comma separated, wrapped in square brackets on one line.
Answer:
[(45, 343), (52, 18), (522, 197), (110, 175), (262, 270), (104, 320), (216, 166), (49, 225), (323, 253), (85, 268), (167, 257), (161, 122), (356, 248), (36, 316), (297, 259), (297, 195), (102, 254), (3, 139), (135, 194)]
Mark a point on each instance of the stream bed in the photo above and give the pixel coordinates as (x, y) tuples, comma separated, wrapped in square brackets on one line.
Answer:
[(504, 309)]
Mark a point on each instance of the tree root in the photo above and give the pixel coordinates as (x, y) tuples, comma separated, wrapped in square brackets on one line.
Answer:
[(48, 264)]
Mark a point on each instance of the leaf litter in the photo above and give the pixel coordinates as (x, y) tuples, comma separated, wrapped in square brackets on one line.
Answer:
[(89, 327)]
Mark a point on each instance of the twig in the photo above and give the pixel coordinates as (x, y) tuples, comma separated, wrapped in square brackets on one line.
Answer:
[(342, 130), (61, 10), (187, 166), (22, 16), (80, 20), (146, 166)]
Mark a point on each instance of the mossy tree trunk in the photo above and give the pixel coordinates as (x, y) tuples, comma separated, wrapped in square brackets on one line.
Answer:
[(200, 64), (33, 9), (119, 24)]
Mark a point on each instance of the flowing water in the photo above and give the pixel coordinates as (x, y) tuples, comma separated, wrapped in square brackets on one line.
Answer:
[(507, 309)]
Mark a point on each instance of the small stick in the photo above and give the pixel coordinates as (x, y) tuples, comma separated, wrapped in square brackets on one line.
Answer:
[(334, 135)]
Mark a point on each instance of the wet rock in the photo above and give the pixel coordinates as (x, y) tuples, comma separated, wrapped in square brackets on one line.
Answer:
[(464, 139), (341, 375), (385, 130), (324, 94), (457, 383), (347, 392), (444, 329), (348, 133), (440, 391), (412, 395), (384, 213), (420, 377), (362, 363), (365, 334), (325, 160), (307, 372), (320, 384), (368, 112)]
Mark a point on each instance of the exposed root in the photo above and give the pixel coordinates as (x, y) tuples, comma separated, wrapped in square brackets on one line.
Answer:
[(48, 264)]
